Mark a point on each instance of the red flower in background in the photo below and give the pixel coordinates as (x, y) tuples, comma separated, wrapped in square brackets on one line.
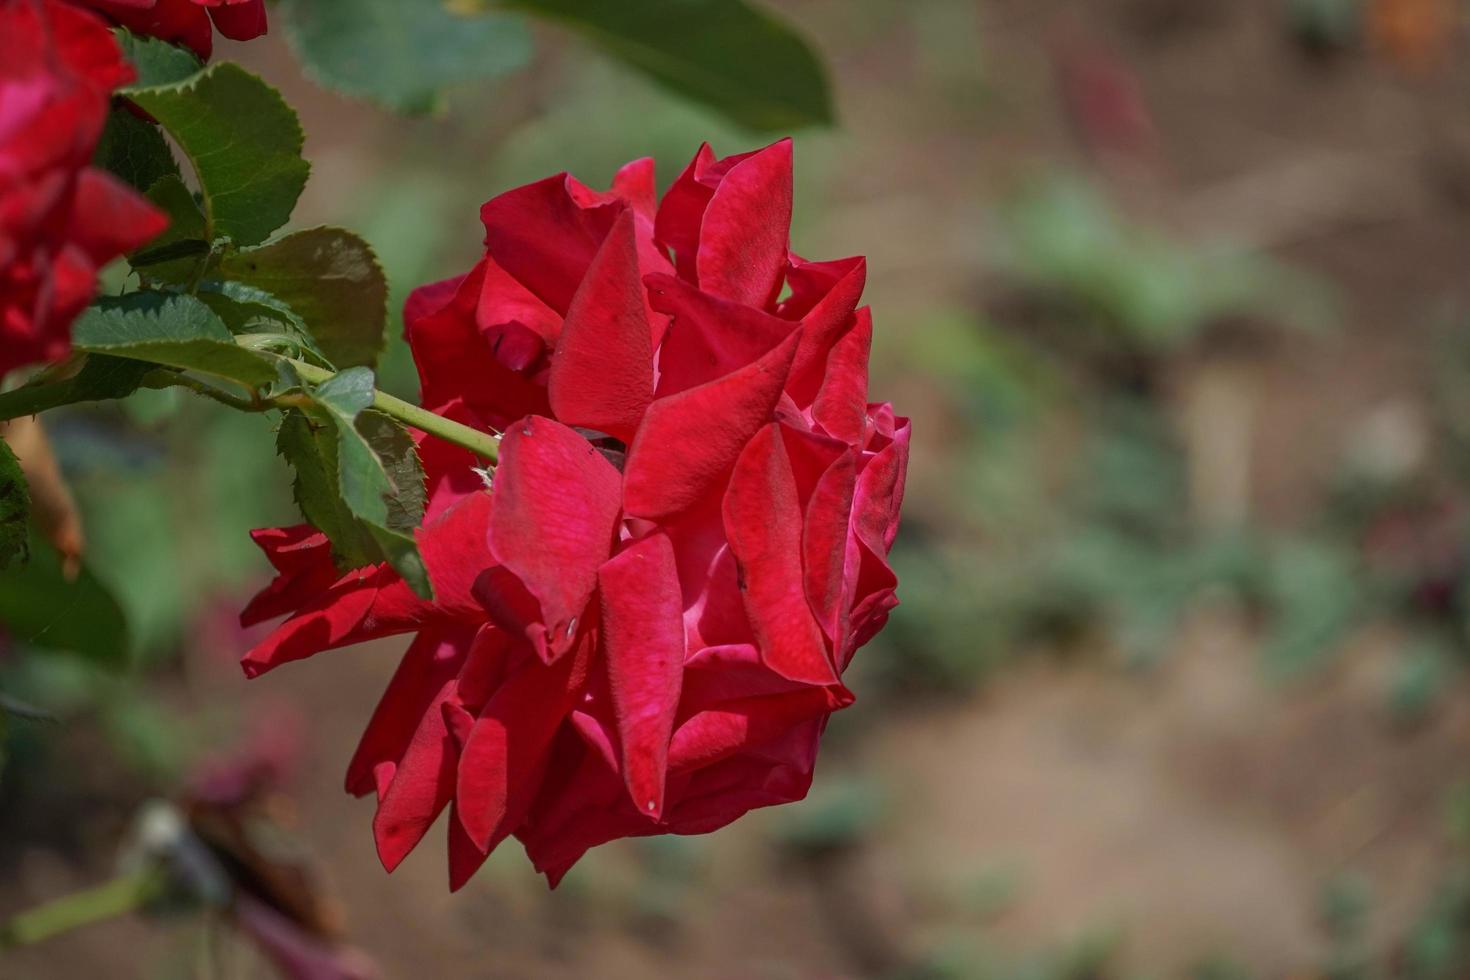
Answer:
[(60, 218), (642, 626), (187, 22)]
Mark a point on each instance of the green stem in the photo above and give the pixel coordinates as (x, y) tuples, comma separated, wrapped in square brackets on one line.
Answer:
[(480, 443), (121, 895), (35, 398)]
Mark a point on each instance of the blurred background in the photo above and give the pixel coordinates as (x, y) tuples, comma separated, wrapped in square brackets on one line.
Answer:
[(1177, 293)]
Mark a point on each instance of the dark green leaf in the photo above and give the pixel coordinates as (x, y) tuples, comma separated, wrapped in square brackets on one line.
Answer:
[(158, 62), (393, 445), (102, 378), (725, 53), (169, 329), (361, 477), (401, 550), (40, 608), (244, 143), (331, 279), (358, 479), (311, 449), (247, 310), (402, 53), (15, 508), (134, 150), (174, 256)]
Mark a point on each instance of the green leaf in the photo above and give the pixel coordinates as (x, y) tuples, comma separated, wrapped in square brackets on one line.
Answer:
[(311, 449), (134, 150), (172, 330), (402, 53), (158, 62), (258, 318), (174, 256), (331, 279), (727, 54), (40, 608), (361, 478), (358, 478), (103, 378), (395, 448), (244, 143), (15, 509)]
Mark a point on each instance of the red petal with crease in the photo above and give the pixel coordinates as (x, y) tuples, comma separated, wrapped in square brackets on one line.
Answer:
[(556, 505), (708, 337), (689, 441), (422, 784), (545, 239), (828, 319), (746, 230), (824, 544), (602, 371), (431, 661), (841, 407), (763, 519), (643, 628), (501, 765)]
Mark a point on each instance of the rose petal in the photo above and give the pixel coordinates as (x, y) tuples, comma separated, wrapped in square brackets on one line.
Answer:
[(841, 407), (602, 371), (109, 218), (643, 629), (689, 441), (556, 504), (746, 229), (830, 318), (502, 760), (421, 785), (431, 661), (545, 239), (707, 337), (763, 520)]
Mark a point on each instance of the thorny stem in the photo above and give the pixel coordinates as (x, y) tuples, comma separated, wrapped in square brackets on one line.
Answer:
[(123, 894)]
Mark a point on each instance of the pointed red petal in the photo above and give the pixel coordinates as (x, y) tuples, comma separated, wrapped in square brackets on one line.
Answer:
[(602, 370), (543, 237), (824, 543), (500, 768), (746, 229), (763, 520), (634, 183), (682, 210), (643, 628), (829, 317), (423, 782), (689, 441), (431, 661), (708, 337), (841, 407), (556, 505), (109, 218)]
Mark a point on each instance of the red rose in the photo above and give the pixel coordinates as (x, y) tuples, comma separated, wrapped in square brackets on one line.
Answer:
[(187, 22), (60, 219), (641, 627)]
